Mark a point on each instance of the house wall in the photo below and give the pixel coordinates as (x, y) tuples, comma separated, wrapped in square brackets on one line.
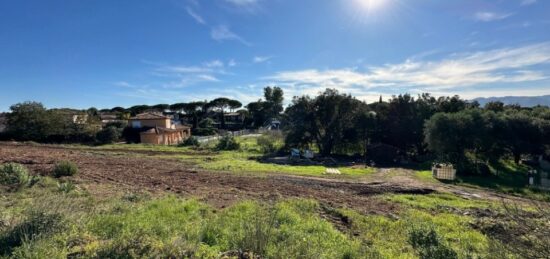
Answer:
[(165, 123), (165, 138), (150, 138)]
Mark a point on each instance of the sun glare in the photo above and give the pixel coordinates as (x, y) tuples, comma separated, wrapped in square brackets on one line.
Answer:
[(371, 5)]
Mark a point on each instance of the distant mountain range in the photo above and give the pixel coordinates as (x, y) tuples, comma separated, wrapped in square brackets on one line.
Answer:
[(525, 101)]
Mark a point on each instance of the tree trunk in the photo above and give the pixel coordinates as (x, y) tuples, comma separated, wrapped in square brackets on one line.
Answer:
[(195, 121), (223, 119)]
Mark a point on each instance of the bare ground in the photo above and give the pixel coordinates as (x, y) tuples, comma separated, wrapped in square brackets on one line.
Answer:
[(135, 171)]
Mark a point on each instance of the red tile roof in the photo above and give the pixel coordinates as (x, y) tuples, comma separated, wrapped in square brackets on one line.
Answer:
[(149, 116)]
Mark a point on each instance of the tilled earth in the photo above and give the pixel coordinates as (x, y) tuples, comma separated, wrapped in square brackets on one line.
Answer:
[(134, 171)]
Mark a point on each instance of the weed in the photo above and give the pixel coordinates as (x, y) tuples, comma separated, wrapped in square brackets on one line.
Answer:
[(190, 142), (65, 168), (14, 175), (429, 244), (228, 143), (36, 224), (66, 187), (266, 144)]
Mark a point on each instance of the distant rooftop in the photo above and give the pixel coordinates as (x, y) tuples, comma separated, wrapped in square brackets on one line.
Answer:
[(149, 116)]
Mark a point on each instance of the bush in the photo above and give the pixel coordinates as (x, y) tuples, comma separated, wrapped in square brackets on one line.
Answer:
[(37, 224), (191, 141), (206, 123), (65, 168), (267, 144), (429, 245), (131, 135), (66, 187), (14, 175), (204, 131), (228, 143), (108, 135)]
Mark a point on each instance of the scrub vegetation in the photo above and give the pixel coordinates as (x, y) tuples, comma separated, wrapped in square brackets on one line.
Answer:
[(135, 225)]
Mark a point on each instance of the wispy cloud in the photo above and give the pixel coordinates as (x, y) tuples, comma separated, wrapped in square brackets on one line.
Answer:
[(195, 16), (214, 63), (223, 33), (176, 76), (261, 59), (209, 78), (490, 16), (250, 6), (528, 2), (507, 65), (231, 63)]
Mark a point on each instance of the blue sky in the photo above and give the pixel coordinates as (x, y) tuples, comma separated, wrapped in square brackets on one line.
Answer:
[(104, 53)]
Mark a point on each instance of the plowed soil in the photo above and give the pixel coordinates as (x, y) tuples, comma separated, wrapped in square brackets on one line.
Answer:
[(132, 171)]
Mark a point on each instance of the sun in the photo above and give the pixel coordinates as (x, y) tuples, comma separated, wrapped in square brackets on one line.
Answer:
[(371, 5)]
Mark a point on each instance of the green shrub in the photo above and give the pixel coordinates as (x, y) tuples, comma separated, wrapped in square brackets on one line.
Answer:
[(429, 245), (204, 131), (36, 224), (66, 187), (65, 168), (14, 175), (109, 135), (228, 143), (206, 123), (267, 144), (191, 141)]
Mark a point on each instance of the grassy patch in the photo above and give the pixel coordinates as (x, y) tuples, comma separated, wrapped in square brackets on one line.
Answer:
[(136, 225), (173, 227), (438, 200), (390, 238), (426, 176), (506, 177), (245, 161)]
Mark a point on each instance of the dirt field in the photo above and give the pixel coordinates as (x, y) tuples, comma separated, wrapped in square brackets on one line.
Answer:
[(135, 171)]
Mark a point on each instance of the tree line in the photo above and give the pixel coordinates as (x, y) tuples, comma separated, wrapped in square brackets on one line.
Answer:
[(446, 129), (31, 121), (418, 128)]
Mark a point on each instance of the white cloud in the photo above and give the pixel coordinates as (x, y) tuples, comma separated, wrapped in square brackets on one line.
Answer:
[(214, 63), (178, 76), (232, 63), (222, 33), (528, 2), (250, 6), (195, 16), (123, 84), (210, 78), (490, 16), (261, 59), (507, 65), (183, 69)]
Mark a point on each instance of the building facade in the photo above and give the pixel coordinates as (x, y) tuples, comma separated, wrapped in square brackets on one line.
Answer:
[(158, 129)]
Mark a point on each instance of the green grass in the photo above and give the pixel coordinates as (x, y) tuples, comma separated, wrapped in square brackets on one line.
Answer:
[(122, 225), (245, 161), (174, 227), (438, 200), (389, 238), (506, 177), (426, 176)]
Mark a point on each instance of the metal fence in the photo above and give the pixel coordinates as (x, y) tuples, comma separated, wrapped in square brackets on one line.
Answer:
[(244, 133)]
